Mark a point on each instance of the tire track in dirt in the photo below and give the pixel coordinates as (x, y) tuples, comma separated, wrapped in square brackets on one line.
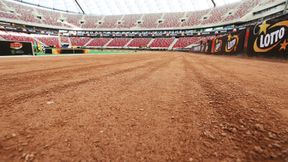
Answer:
[(243, 116), (197, 103), (26, 82), (142, 76), (22, 97), (61, 67), (256, 89)]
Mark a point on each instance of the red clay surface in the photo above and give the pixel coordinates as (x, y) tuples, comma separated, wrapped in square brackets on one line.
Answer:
[(146, 107)]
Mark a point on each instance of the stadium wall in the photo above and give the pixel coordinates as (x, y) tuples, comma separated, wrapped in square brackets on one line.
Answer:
[(268, 38)]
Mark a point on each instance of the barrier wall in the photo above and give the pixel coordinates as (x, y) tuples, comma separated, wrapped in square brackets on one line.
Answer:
[(11, 48), (230, 44), (269, 38), (66, 51), (202, 47)]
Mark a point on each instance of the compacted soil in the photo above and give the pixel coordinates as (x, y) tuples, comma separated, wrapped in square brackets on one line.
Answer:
[(153, 106)]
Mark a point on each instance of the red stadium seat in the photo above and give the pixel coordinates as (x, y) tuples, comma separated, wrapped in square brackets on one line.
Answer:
[(110, 22), (129, 21), (98, 42), (139, 42), (29, 14), (150, 20), (51, 41), (14, 36), (171, 20), (119, 42), (79, 41), (162, 42), (186, 41)]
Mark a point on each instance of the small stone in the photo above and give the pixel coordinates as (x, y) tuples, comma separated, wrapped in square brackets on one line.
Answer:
[(209, 135), (234, 130), (276, 145), (271, 135), (101, 131), (12, 155), (29, 136), (29, 157), (259, 127), (258, 149), (20, 149), (285, 151), (172, 117), (13, 135), (273, 155), (224, 134), (238, 160), (24, 144), (23, 155), (141, 109), (248, 132), (50, 102), (191, 159)]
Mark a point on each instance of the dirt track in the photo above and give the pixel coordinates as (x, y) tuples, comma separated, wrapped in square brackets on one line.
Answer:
[(150, 107)]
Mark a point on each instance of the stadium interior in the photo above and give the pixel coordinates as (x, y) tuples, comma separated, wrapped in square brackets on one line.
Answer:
[(22, 21), (144, 80)]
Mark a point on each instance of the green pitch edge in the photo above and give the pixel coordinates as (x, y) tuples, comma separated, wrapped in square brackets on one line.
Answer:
[(97, 52)]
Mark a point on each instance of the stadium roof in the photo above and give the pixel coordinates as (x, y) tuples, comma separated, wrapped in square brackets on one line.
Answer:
[(121, 7)]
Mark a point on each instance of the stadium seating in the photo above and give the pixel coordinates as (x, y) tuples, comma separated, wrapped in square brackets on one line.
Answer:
[(194, 18), (110, 22), (168, 20), (162, 42), (98, 42), (91, 21), (7, 15), (65, 40), (79, 41), (171, 20), (186, 41), (24, 13), (50, 18), (129, 21), (150, 20), (139, 42), (218, 14), (55, 41), (51, 41), (73, 19), (4, 12), (242, 9), (14, 36), (118, 42)]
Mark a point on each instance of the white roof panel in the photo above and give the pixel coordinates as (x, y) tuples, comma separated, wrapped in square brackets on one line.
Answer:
[(121, 7)]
